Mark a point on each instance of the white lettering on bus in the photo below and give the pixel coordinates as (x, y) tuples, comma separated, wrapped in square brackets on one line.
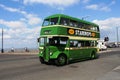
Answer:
[(82, 33)]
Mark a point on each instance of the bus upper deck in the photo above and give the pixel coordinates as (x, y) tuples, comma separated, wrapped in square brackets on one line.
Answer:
[(60, 19), (60, 24)]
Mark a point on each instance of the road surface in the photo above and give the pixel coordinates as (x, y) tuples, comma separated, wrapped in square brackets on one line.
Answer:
[(28, 67)]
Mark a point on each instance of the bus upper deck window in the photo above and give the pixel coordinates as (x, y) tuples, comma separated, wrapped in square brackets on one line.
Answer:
[(71, 24), (98, 29), (46, 22), (53, 21), (80, 25), (64, 21), (75, 24)]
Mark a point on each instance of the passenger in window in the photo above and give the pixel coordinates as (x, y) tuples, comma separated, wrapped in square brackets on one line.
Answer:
[(80, 25), (71, 44), (52, 23), (71, 24), (79, 44), (52, 41), (64, 23), (55, 23), (75, 25)]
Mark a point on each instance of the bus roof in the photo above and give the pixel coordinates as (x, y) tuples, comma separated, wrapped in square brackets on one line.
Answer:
[(72, 18)]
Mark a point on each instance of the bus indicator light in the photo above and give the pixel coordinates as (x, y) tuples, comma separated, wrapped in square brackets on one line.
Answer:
[(93, 34)]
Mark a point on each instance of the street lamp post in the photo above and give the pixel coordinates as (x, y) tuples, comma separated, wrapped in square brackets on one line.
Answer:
[(117, 35), (2, 50)]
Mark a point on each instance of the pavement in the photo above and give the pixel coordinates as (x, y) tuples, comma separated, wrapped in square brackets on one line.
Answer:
[(21, 53), (112, 75), (109, 50)]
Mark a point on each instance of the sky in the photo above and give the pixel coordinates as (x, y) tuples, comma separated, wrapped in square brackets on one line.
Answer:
[(22, 19)]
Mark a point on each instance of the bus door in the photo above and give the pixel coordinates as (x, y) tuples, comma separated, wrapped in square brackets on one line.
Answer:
[(75, 51), (43, 41)]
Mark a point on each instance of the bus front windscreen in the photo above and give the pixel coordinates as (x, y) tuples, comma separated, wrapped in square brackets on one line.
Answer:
[(54, 41), (42, 41), (51, 21)]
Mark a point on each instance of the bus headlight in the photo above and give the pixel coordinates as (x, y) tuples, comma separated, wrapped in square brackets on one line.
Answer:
[(41, 52), (51, 53)]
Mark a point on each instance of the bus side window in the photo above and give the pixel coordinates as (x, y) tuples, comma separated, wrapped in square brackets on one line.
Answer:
[(92, 43), (95, 29), (92, 28), (79, 44), (87, 26), (98, 28), (87, 44), (73, 43), (73, 23), (53, 21), (64, 21), (80, 25), (51, 41), (46, 22)]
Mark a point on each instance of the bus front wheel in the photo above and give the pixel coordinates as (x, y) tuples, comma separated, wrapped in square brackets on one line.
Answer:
[(41, 60), (61, 60)]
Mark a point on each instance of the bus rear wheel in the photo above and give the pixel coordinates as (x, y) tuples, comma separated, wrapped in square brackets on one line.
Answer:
[(61, 60)]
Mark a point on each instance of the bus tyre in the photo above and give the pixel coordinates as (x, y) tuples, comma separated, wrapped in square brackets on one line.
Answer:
[(41, 60), (61, 60)]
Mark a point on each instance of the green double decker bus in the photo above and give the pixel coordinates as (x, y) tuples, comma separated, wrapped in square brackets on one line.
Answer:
[(64, 38)]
